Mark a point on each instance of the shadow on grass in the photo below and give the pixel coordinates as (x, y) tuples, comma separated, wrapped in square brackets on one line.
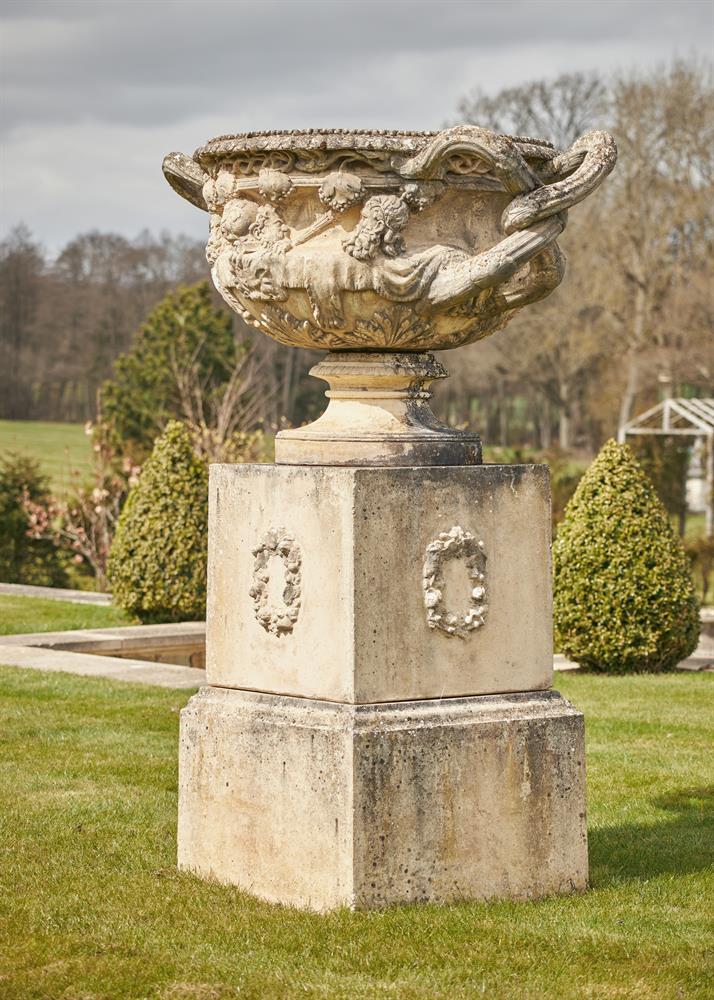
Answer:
[(681, 843)]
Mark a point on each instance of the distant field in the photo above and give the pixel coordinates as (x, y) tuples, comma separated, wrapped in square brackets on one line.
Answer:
[(59, 448)]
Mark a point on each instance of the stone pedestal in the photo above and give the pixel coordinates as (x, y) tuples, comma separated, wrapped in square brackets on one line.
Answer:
[(322, 804), (379, 726), (378, 414)]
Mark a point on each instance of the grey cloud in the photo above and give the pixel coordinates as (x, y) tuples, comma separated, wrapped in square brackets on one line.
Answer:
[(107, 87), (161, 61)]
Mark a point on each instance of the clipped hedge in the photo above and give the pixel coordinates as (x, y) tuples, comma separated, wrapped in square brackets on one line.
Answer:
[(157, 563), (624, 598)]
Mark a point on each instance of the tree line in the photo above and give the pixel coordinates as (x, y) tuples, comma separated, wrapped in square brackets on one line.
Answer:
[(633, 317), (65, 322)]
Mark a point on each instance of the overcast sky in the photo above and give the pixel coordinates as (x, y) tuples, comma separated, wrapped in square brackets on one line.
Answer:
[(95, 92)]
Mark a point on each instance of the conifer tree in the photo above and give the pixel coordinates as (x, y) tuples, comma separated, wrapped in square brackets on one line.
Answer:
[(624, 598), (157, 563)]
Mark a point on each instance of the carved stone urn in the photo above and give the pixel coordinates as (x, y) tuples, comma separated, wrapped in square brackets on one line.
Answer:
[(378, 724), (392, 243)]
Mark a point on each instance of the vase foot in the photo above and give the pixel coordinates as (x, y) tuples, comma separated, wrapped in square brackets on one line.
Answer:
[(378, 414)]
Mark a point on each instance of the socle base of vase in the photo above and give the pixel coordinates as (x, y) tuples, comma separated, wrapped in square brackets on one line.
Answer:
[(378, 414), (320, 804)]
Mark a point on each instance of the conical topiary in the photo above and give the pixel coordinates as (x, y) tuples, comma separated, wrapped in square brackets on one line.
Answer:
[(624, 597), (157, 563)]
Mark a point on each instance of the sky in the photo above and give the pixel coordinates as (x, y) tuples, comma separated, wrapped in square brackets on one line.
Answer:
[(95, 92)]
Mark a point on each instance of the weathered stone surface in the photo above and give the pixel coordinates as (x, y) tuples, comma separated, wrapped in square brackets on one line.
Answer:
[(369, 586), (321, 805), (394, 584), (378, 414), (399, 241)]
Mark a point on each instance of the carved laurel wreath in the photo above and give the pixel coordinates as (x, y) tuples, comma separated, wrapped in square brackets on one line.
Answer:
[(455, 544), (277, 620)]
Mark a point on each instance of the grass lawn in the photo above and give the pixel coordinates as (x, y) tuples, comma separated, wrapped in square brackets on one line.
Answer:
[(91, 905), (35, 614), (695, 525), (59, 448)]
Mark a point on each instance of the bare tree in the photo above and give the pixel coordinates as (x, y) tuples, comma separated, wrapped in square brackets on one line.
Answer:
[(559, 110), (637, 301), (660, 218), (224, 422), (22, 267)]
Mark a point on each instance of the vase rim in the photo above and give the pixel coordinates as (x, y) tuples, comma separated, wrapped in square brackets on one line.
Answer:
[(357, 139)]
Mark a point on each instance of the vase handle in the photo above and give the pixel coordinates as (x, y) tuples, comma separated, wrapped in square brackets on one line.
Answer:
[(532, 221), (498, 152), (577, 172), (186, 178)]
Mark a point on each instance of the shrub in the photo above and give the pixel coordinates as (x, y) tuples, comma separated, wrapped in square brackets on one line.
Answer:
[(28, 551), (701, 555), (88, 514), (624, 595), (157, 562), (185, 331)]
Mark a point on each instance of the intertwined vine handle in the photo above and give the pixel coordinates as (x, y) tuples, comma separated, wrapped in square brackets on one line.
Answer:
[(537, 214), (571, 175)]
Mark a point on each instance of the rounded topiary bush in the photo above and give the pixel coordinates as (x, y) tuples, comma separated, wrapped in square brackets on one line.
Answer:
[(157, 563), (624, 598)]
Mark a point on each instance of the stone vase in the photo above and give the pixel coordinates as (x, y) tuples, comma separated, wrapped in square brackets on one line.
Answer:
[(379, 724)]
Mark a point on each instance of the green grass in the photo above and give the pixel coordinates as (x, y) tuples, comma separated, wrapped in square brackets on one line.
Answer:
[(695, 526), (91, 904), (59, 448), (35, 614)]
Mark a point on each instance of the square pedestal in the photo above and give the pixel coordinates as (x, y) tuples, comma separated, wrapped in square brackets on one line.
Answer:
[(320, 805), (366, 585)]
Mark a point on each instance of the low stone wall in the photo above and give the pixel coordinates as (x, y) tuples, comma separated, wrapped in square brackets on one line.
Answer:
[(183, 644), (56, 594)]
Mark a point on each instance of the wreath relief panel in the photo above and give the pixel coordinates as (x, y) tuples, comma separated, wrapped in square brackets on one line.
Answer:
[(460, 545), (277, 615)]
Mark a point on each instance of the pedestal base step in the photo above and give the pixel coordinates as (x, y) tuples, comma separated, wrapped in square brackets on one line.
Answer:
[(322, 804)]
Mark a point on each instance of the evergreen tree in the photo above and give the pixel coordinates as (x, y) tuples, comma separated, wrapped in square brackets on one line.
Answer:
[(624, 596), (157, 563), (183, 329)]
